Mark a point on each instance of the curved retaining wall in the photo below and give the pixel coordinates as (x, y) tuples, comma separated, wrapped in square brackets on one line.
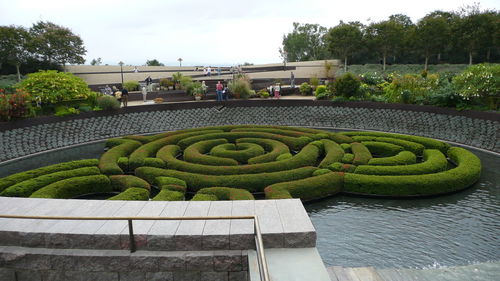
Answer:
[(478, 129)]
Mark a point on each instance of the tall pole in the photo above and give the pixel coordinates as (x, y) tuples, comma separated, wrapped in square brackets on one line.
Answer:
[(121, 70), (285, 57)]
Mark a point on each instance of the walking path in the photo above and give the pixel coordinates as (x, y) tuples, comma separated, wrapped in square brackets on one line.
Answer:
[(488, 271)]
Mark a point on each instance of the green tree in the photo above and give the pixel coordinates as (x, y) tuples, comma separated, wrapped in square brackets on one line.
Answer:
[(13, 46), (385, 37), (304, 43), (154, 62), (53, 43), (97, 61), (344, 39), (431, 36)]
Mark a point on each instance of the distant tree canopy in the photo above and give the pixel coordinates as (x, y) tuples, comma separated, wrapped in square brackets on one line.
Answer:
[(465, 36), (154, 62), (43, 46)]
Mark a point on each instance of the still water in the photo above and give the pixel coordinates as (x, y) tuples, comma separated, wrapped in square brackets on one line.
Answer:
[(456, 229)]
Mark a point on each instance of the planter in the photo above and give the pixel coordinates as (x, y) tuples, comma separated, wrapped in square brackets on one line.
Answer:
[(197, 97)]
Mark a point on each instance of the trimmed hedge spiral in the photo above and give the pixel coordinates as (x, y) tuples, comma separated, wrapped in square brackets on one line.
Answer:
[(232, 162)]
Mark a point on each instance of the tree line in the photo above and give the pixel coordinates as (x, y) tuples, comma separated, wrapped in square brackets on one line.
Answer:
[(45, 45), (469, 35)]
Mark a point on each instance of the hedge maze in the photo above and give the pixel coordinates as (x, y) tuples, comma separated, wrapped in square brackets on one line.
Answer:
[(244, 162)]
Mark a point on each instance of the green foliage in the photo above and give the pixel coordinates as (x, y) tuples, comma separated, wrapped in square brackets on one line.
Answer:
[(347, 85), (240, 152), (16, 105), (273, 148), (52, 86), (124, 182), (305, 89), (132, 194), (341, 167), (27, 187), (480, 81), (169, 195), (284, 156), (344, 39), (321, 172), (250, 182), (72, 187), (131, 85), (204, 197), (197, 153), (19, 177), (361, 153), (304, 43), (402, 158), (408, 88), (322, 92), (347, 158), (465, 174), (264, 94), (307, 189), (154, 62), (333, 153), (62, 110), (223, 193), (382, 149), (241, 86), (108, 103), (314, 82), (108, 163), (163, 181)]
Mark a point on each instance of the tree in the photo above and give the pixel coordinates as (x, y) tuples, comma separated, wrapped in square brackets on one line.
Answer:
[(344, 39), (304, 43), (180, 64), (97, 61), (13, 46), (431, 36), (385, 37), (54, 43), (154, 62)]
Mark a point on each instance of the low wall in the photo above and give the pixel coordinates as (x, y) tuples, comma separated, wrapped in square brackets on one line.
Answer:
[(478, 129)]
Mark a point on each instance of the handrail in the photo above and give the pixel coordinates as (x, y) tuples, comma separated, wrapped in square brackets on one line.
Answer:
[(259, 244)]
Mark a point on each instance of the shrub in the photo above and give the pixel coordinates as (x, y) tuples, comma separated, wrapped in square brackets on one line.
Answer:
[(314, 81), (341, 167), (226, 193), (197, 153), (348, 158), (165, 82), (240, 87), (27, 187), (52, 86), (124, 182), (434, 161), (465, 174), (108, 163), (307, 189), (240, 152), (408, 88), (333, 153), (16, 105), (163, 181), (320, 172), (347, 85), (273, 147), (73, 187), (133, 193), (19, 177), (284, 156), (481, 81), (382, 149), (361, 153), (108, 103), (250, 182), (321, 92), (62, 110), (169, 195), (305, 89), (306, 157), (204, 197), (131, 85), (263, 94), (402, 158)]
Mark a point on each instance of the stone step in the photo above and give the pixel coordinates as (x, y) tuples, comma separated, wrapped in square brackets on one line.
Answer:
[(301, 264)]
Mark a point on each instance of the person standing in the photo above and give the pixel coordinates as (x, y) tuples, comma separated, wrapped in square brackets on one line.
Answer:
[(204, 87), (292, 80), (209, 71), (149, 83), (118, 96), (125, 97), (219, 89), (144, 94)]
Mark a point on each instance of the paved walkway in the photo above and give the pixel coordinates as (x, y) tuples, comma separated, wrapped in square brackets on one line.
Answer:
[(488, 271)]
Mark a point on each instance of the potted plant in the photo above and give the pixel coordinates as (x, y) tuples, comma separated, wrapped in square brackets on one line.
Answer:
[(197, 90)]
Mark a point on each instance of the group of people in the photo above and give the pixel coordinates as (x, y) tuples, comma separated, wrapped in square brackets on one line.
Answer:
[(222, 91), (120, 94)]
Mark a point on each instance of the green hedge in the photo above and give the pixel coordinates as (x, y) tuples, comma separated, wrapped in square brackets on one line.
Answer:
[(427, 142), (19, 177), (333, 153), (402, 158), (133, 193), (137, 157), (108, 163), (27, 187), (411, 146), (382, 149), (240, 152), (227, 193), (162, 181), (73, 187), (347, 158), (124, 182), (273, 147), (434, 161), (346, 147), (361, 153), (341, 167), (307, 189), (284, 156), (169, 195), (306, 157), (464, 175), (250, 182), (196, 153), (321, 172), (204, 197)]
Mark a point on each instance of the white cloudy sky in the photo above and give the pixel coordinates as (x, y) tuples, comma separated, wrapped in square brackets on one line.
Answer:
[(210, 32)]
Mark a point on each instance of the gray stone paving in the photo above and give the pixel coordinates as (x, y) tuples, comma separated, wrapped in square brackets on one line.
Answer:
[(475, 132)]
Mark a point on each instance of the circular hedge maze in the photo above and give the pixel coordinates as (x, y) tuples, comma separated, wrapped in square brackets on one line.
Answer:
[(242, 162)]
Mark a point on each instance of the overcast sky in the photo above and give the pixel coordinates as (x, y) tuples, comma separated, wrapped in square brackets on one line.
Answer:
[(215, 32)]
